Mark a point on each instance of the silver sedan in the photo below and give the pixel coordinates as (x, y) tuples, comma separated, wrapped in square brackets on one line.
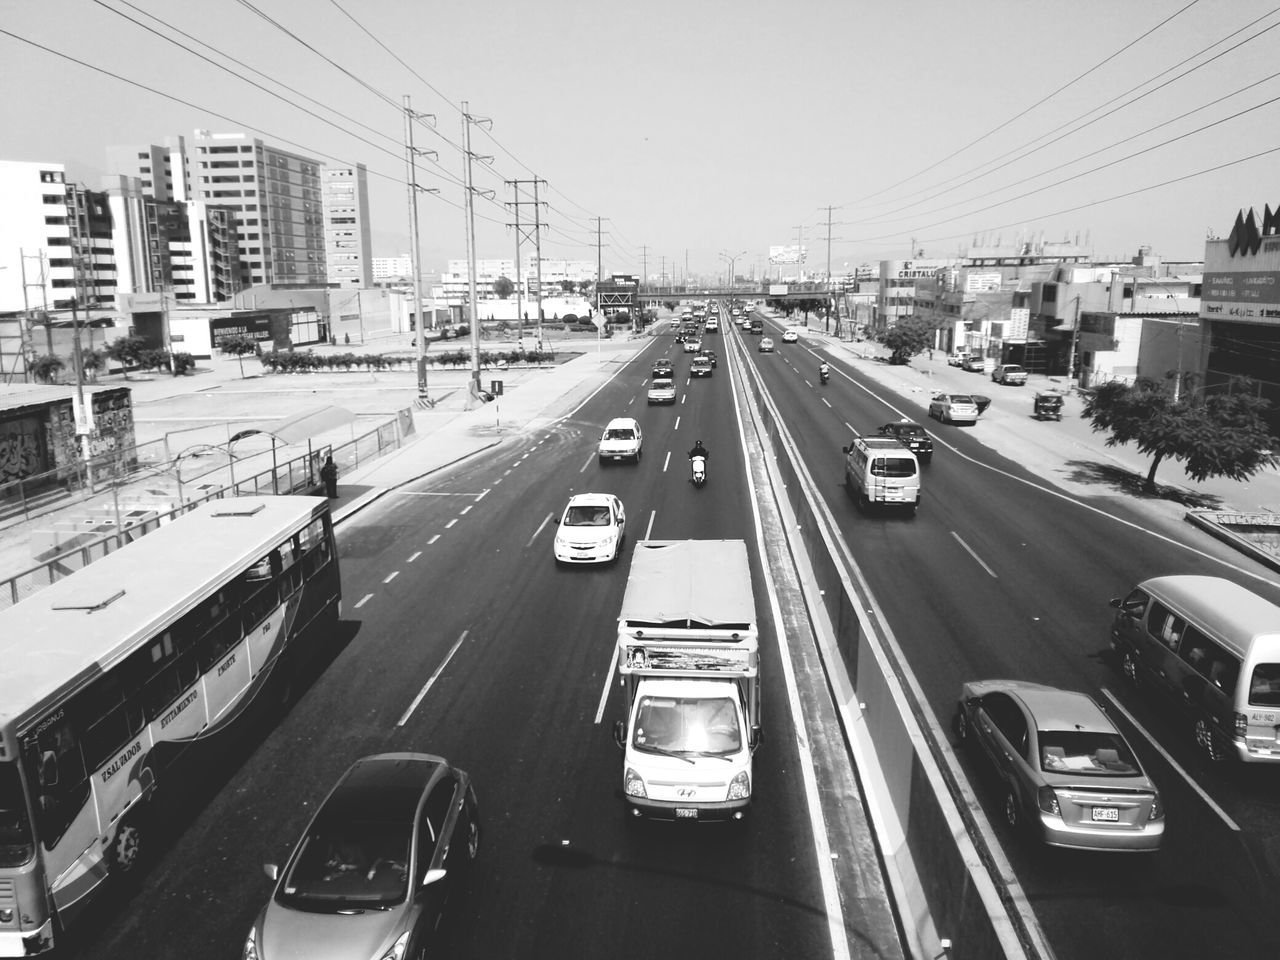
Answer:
[(1068, 776)]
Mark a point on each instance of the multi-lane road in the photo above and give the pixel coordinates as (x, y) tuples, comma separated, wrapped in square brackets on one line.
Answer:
[(462, 638)]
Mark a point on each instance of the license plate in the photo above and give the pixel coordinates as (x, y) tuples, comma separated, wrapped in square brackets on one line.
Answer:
[(686, 813), (1257, 717), (1107, 814)]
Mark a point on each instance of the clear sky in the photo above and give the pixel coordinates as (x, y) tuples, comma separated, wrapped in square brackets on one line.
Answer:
[(699, 128)]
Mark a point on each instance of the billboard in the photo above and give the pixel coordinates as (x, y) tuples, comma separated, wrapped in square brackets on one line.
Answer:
[(791, 253)]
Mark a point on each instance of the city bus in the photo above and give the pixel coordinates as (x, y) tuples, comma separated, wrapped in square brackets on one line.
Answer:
[(113, 673)]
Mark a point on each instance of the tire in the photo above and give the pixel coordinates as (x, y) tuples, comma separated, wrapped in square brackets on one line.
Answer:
[(1012, 812), (473, 838), (1209, 742), (961, 725), (1129, 667), (638, 452), (127, 848)]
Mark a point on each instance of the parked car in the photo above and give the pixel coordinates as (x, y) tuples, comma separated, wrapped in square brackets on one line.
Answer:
[(592, 529), (790, 335), (1010, 373), (621, 440), (701, 367), (379, 866), (766, 345), (974, 363), (1069, 777), (957, 358), (913, 436), (953, 408)]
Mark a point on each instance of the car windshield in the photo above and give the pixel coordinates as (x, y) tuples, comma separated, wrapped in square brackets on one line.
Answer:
[(588, 516), (687, 725), (662, 384), (909, 429), (1088, 753), (1012, 368), (16, 843), (351, 865), (620, 434), (1264, 685)]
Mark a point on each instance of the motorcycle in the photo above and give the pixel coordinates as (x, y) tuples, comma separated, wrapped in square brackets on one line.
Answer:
[(824, 375), (699, 467)]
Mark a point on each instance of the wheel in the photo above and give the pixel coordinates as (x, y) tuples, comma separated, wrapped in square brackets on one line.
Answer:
[(1208, 740), (638, 452), (962, 727), (126, 848), (1129, 667), (473, 838), (1012, 812)]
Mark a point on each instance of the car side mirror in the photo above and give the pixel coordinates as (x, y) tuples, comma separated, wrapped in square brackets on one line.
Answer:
[(757, 736), (844, 449), (433, 876), (620, 734), (1115, 602), (272, 870)]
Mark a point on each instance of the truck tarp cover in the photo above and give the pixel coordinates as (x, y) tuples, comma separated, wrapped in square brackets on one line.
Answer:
[(689, 583)]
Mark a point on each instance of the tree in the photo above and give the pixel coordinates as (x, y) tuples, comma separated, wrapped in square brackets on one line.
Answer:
[(566, 286), (1216, 435), (908, 337), (240, 347), (93, 361), (127, 351), (503, 287), (671, 305), (46, 367)]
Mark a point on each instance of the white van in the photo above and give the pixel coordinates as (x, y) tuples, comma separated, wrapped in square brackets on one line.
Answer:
[(1212, 648), (881, 470), (621, 440)]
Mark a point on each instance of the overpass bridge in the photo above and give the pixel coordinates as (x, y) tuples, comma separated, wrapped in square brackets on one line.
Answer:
[(651, 294)]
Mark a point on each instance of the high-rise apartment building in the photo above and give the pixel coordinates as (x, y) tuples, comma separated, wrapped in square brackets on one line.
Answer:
[(276, 196), (347, 245), (161, 167), (392, 268)]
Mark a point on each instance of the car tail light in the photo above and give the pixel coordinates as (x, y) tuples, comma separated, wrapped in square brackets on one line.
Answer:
[(1048, 801), (1242, 724), (1157, 808)]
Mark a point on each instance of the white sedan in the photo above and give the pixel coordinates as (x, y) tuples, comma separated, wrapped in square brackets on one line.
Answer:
[(791, 335), (766, 345), (592, 529)]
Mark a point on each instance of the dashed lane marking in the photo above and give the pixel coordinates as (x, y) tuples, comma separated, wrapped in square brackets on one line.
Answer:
[(363, 600), (391, 576), (416, 554), (434, 677)]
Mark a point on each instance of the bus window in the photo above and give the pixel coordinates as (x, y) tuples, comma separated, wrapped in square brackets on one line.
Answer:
[(56, 773), (110, 718), (17, 846)]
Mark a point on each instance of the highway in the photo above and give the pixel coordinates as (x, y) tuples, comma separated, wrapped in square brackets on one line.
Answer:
[(996, 577), (462, 638)]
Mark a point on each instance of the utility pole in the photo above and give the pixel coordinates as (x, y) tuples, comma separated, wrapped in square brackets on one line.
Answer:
[(415, 266), (799, 254), (644, 264), (1075, 336), (468, 156), (523, 234)]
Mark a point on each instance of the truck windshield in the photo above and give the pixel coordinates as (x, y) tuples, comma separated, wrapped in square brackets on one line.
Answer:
[(707, 726), (17, 845)]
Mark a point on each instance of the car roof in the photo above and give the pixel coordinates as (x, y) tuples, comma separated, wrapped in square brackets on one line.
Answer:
[(1230, 611), (387, 787), (1052, 709), (591, 500), (621, 422)]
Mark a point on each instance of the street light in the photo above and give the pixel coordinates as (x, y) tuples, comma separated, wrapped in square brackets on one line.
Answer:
[(731, 260)]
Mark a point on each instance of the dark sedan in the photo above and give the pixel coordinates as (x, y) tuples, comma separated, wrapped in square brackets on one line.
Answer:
[(911, 435), (378, 865)]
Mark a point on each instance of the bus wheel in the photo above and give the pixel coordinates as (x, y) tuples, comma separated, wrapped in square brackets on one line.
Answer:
[(126, 849)]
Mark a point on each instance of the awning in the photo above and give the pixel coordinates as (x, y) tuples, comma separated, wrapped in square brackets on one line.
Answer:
[(301, 426)]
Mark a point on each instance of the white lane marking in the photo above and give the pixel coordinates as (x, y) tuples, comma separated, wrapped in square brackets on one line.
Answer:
[(649, 532), (451, 523), (631, 401), (467, 509), (683, 398), (677, 426), (433, 539), (526, 455), (1209, 802), (498, 481), (482, 494), (545, 521), (429, 493), (507, 472), (604, 694), (974, 555), (434, 677), (687, 381), (810, 386), (849, 426), (826, 401), (363, 600), (583, 468), (666, 462), (391, 576), (415, 556)]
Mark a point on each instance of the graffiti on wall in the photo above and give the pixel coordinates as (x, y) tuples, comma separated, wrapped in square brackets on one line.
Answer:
[(22, 451)]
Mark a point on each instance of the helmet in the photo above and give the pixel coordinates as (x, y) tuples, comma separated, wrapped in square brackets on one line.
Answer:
[(697, 443)]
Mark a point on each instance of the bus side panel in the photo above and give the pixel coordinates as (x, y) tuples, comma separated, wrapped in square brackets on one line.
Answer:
[(266, 640), (224, 684)]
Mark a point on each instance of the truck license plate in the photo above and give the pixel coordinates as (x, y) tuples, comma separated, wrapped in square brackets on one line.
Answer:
[(686, 813), (1108, 814)]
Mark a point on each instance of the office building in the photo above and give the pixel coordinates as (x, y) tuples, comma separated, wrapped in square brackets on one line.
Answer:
[(347, 246)]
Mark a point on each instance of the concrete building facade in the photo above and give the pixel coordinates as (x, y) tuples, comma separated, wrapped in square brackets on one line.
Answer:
[(347, 243)]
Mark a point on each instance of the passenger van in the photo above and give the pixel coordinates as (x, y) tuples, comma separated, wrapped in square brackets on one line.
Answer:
[(881, 470), (1212, 648)]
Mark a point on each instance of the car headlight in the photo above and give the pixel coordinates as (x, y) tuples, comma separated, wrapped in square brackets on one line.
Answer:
[(740, 786), (251, 944), (632, 785), (397, 949)]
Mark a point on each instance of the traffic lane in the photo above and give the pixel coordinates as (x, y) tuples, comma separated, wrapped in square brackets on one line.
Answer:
[(894, 551)]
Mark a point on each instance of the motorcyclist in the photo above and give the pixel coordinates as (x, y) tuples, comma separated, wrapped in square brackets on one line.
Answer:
[(699, 451), (824, 371)]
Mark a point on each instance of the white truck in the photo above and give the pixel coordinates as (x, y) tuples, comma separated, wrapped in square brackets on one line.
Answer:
[(689, 661)]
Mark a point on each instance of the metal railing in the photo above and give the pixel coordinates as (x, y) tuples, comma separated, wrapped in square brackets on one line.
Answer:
[(108, 528)]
